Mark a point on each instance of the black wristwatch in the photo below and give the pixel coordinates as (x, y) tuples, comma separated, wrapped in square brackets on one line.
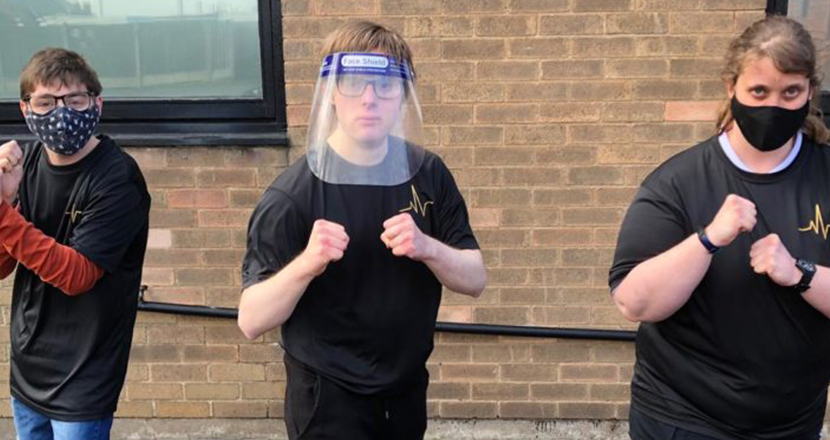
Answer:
[(807, 269)]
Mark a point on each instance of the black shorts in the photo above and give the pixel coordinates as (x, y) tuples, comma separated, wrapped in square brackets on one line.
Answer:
[(318, 409), (643, 427)]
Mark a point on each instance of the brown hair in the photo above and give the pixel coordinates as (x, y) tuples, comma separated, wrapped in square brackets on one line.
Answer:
[(790, 48), (55, 65), (365, 36)]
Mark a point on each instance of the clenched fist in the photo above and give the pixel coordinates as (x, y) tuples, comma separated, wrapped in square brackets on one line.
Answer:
[(769, 256), (405, 239), (327, 243), (736, 215), (11, 170)]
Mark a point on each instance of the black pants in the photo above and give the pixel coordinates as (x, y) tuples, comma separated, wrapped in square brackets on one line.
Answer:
[(643, 427), (319, 409)]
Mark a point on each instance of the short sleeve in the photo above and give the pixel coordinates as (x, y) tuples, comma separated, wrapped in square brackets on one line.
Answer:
[(117, 209), (653, 224), (453, 219), (277, 233)]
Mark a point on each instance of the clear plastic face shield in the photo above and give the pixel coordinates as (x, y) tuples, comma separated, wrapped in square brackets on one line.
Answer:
[(365, 126)]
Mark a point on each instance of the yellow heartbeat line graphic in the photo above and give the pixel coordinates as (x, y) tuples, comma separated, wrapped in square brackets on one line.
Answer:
[(73, 214), (817, 225), (416, 205)]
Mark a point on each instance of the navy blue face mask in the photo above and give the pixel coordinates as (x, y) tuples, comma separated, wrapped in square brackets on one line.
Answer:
[(767, 128), (64, 130)]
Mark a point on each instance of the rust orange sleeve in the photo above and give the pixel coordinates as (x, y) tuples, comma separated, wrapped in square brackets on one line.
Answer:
[(56, 264), (7, 263)]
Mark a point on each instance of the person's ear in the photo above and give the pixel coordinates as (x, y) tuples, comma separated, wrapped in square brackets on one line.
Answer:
[(23, 109), (99, 102)]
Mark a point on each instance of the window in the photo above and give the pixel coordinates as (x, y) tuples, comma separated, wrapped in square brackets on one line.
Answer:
[(206, 72)]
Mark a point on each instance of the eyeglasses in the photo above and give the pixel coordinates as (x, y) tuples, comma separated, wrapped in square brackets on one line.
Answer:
[(43, 104), (385, 87)]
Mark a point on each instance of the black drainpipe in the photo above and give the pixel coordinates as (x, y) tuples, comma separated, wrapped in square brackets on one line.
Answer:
[(447, 327)]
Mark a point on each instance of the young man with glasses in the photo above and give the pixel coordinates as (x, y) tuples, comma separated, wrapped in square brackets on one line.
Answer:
[(349, 248), (73, 222)]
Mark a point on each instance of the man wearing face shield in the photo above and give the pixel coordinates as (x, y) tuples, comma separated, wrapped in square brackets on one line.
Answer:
[(349, 248), (74, 220)]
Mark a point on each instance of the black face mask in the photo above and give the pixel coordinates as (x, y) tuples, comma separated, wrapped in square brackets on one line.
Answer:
[(767, 128)]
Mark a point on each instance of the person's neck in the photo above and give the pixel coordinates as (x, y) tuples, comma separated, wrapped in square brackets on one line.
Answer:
[(760, 162), (62, 160), (363, 154)]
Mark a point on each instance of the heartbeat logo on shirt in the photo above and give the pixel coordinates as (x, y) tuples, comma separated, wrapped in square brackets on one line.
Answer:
[(74, 214), (817, 225), (415, 205)]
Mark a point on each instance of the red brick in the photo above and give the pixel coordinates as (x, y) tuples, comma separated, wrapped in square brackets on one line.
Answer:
[(215, 218), (455, 314), (476, 372), (157, 391), (468, 410), (500, 391), (507, 70), (559, 391), (240, 410), (448, 391), (701, 22), (473, 92), (561, 316), (602, 5), (177, 373), (637, 23), (198, 198), (186, 410), (571, 24), (603, 47), (589, 372), (527, 410), (506, 26), (528, 372), (439, 27), (539, 47), (236, 372), (251, 391), (343, 7), (539, 5), (692, 110), (506, 113), (472, 49), (473, 6), (580, 410), (212, 391)]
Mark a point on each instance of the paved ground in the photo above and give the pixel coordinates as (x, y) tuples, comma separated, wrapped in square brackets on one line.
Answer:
[(237, 429)]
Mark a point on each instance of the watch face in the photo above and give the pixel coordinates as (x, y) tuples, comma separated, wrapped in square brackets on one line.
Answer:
[(805, 265)]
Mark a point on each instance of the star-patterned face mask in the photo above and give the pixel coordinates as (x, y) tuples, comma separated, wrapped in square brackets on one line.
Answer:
[(64, 130)]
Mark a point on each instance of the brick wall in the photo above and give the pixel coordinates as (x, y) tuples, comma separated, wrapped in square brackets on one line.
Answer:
[(549, 112)]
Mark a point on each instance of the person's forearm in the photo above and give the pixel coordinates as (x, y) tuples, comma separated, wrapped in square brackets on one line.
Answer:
[(659, 286), (268, 304), (57, 264), (7, 264), (460, 270), (818, 295)]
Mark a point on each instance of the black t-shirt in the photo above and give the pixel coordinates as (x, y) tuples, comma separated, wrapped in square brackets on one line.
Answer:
[(69, 354), (743, 358), (368, 321)]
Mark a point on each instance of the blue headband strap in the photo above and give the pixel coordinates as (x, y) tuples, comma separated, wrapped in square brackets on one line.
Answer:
[(351, 63)]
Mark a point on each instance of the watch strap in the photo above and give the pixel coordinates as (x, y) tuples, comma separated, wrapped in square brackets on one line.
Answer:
[(704, 239)]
